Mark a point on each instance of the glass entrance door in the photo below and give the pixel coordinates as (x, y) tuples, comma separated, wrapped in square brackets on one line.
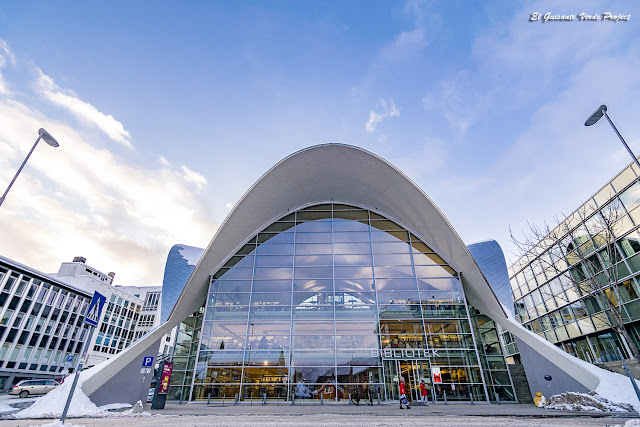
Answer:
[(413, 371)]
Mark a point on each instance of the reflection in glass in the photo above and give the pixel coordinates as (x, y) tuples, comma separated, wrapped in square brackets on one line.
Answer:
[(317, 297)]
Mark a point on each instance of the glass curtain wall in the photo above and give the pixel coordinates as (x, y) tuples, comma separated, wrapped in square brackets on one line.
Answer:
[(568, 313), (332, 301)]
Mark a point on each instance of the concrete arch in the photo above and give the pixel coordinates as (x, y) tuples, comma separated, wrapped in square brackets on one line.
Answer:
[(348, 174)]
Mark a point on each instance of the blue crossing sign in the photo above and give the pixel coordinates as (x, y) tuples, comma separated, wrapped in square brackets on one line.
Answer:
[(92, 316), (147, 361)]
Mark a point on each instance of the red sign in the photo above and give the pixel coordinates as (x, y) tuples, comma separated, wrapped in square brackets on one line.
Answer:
[(437, 376), (165, 377)]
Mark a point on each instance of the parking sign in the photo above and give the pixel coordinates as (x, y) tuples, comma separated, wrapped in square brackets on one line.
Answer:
[(147, 361)]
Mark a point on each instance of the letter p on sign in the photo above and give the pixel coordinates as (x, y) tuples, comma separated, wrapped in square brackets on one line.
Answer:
[(147, 361)]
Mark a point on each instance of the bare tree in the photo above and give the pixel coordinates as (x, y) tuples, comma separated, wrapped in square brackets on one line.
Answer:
[(584, 259)]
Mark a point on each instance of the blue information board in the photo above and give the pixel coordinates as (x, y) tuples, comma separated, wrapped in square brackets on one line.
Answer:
[(147, 361)]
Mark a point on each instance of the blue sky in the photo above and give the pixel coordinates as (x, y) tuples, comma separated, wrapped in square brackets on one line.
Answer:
[(167, 112)]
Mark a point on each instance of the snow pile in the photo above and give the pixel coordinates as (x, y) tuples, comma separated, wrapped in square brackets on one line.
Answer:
[(585, 402), (52, 404), (630, 423), (613, 386)]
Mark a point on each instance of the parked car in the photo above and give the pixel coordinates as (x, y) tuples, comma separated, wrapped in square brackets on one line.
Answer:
[(150, 395), (27, 387)]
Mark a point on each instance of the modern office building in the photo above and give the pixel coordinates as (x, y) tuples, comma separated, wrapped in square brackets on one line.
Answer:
[(333, 274), (181, 261), (40, 323), (553, 283), (149, 316), (490, 258), (121, 314)]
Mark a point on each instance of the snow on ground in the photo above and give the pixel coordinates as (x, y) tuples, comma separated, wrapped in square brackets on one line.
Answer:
[(52, 404), (6, 408), (585, 402), (613, 386), (630, 423)]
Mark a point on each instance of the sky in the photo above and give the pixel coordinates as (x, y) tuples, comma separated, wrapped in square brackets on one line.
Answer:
[(167, 112)]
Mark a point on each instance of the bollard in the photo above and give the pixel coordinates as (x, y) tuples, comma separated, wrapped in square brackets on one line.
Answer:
[(379, 402), (445, 397), (235, 399), (209, 399), (471, 396), (322, 399), (264, 399), (350, 402), (180, 403), (223, 398), (498, 398)]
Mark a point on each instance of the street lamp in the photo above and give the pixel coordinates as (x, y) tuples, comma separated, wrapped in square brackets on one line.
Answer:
[(597, 115), (42, 134)]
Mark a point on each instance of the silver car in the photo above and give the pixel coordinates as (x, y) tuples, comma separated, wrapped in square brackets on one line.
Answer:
[(27, 387)]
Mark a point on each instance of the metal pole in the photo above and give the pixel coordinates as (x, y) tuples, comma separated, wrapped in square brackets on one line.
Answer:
[(622, 139), (77, 372), (143, 400), (19, 170)]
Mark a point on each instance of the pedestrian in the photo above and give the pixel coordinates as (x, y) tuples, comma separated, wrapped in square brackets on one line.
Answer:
[(404, 403), (423, 392)]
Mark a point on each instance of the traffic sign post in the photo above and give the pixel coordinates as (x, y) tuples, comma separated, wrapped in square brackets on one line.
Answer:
[(91, 318), (147, 368)]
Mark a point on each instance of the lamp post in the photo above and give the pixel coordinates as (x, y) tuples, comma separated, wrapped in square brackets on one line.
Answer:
[(42, 134), (597, 115)]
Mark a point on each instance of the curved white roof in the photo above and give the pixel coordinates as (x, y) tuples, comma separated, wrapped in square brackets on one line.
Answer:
[(339, 173)]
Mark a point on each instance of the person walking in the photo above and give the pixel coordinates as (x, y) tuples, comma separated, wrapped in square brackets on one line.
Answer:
[(423, 392), (404, 403)]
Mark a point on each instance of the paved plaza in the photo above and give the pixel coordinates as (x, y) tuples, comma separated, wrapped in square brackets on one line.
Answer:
[(348, 415)]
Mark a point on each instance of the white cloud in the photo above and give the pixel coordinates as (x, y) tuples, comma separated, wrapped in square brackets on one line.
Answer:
[(79, 199), (376, 117), (83, 110), (405, 45), (5, 54), (194, 177), (163, 161), (229, 205)]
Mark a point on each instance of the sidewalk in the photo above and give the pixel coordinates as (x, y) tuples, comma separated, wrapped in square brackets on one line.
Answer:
[(331, 415), (463, 410)]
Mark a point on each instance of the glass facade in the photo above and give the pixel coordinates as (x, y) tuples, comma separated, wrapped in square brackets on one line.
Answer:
[(557, 304), (334, 300)]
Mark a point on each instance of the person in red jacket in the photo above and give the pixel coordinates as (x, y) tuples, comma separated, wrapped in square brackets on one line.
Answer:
[(404, 403), (423, 392)]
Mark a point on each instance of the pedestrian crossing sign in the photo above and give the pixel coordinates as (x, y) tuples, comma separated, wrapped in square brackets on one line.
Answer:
[(92, 316)]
